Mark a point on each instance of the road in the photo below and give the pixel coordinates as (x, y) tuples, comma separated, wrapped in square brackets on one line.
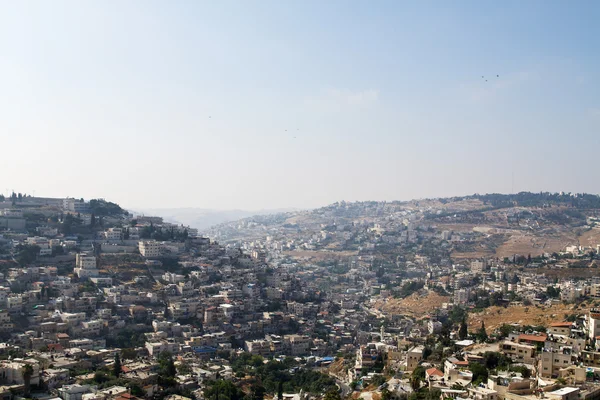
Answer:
[(344, 388)]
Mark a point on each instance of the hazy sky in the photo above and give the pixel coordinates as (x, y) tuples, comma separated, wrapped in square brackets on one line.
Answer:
[(186, 103)]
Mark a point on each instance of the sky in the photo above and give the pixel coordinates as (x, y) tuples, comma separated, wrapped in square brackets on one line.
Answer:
[(297, 104)]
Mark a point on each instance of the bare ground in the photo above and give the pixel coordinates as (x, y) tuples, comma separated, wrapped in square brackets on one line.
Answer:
[(528, 243), (494, 317), (414, 305), (590, 238)]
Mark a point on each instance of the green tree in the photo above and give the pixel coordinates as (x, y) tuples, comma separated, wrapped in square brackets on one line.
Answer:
[(415, 383), (184, 368), (129, 354), (101, 377), (117, 366), (505, 330), (553, 292), (386, 394), (136, 390), (378, 380), (257, 391), (419, 372), (167, 365), (462, 331), (280, 390), (27, 372), (223, 390), (480, 373), (525, 372), (332, 395), (27, 254), (482, 334)]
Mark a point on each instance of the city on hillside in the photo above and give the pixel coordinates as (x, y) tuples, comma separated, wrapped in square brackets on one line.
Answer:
[(483, 297)]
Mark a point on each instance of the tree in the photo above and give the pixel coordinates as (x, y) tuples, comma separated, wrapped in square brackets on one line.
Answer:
[(27, 254), (419, 372), (136, 390), (257, 391), (378, 380), (332, 395), (117, 366), (167, 370), (493, 360), (184, 368), (525, 372), (463, 332), (415, 383), (505, 330), (480, 373), (223, 390), (553, 292), (427, 352), (280, 390), (482, 334), (167, 365), (129, 354), (27, 372), (386, 394)]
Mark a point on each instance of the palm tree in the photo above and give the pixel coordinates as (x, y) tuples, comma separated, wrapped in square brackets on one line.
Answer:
[(27, 372)]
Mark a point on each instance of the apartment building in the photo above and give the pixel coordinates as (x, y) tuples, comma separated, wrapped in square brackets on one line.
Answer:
[(149, 248)]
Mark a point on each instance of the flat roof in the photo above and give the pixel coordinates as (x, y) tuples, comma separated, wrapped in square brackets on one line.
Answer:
[(565, 390)]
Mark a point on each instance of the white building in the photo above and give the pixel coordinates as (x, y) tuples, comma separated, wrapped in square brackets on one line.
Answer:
[(73, 392), (155, 348), (113, 234), (478, 266), (594, 323), (12, 371), (149, 248), (76, 206), (86, 266), (434, 326), (84, 261)]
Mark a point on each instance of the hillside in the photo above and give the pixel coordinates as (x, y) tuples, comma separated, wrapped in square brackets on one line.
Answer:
[(460, 228)]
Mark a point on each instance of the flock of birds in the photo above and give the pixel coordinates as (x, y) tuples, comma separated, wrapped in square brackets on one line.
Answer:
[(482, 77)]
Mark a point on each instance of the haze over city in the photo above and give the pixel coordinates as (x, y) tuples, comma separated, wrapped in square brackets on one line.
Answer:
[(299, 200), (266, 104)]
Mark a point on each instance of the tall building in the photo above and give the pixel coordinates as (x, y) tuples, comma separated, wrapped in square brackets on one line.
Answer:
[(478, 266), (594, 323), (149, 248), (77, 206), (86, 266), (82, 260)]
